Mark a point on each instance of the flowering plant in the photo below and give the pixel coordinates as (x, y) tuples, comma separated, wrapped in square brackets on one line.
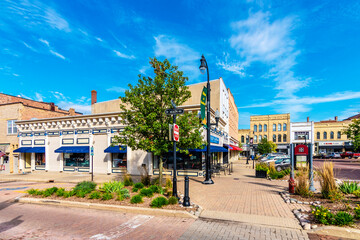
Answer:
[(323, 215)]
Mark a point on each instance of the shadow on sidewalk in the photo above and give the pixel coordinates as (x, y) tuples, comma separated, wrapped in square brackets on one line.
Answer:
[(11, 224), (269, 185)]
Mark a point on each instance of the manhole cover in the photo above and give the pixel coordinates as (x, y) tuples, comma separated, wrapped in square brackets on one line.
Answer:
[(236, 179)]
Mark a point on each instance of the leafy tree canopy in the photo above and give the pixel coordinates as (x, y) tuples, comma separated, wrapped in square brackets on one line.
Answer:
[(143, 112), (266, 146), (353, 133)]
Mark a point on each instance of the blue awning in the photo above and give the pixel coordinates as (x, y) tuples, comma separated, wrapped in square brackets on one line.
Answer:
[(116, 149), (31, 150), (73, 149), (212, 149)]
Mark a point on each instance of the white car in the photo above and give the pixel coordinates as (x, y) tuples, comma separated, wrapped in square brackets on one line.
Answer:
[(273, 159)]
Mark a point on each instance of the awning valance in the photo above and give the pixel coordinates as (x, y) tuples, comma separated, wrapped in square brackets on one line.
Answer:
[(212, 149), (31, 150), (73, 149), (116, 149), (235, 148)]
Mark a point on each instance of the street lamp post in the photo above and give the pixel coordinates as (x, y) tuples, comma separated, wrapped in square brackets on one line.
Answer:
[(203, 67)]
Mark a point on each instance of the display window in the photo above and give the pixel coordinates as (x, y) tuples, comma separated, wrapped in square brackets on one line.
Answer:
[(76, 159), (39, 159), (183, 161), (119, 160)]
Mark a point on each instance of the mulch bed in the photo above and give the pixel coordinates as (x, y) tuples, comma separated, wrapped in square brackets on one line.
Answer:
[(125, 202)]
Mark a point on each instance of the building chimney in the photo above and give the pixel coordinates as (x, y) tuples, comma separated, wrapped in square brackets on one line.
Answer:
[(71, 112), (93, 97), (52, 106), (336, 118), (308, 119)]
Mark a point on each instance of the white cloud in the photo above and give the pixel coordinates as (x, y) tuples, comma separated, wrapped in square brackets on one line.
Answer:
[(83, 108), (99, 39), (119, 54), (116, 89), (39, 97), (57, 54), (29, 47), (51, 49), (260, 39), (351, 111), (183, 56), (55, 20), (301, 101)]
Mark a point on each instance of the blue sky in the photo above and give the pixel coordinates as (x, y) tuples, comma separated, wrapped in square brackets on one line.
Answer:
[(300, 57)]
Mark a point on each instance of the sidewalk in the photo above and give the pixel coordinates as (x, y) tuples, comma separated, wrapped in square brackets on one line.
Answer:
[(251, 202)]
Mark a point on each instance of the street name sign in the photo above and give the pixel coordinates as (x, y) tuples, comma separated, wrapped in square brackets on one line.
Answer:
[(176, 111)]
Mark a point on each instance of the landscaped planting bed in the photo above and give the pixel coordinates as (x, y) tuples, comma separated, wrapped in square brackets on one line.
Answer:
[(115, 193), (337, 203)]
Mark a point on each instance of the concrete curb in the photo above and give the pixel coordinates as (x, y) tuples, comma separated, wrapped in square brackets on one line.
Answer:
[(337, 232), (99, 206)]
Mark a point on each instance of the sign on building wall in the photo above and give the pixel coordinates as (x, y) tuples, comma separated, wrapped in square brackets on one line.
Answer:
[(39, 142), (214, 139), (203, 105), (68, 141)]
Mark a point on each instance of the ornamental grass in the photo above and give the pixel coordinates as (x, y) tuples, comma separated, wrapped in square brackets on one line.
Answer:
[(327, 181)]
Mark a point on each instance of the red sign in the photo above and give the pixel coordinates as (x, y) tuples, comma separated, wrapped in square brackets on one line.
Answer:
[(301, 150), (176, 135)]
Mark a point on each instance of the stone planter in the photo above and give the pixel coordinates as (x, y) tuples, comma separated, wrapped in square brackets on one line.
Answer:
[(261, 174)]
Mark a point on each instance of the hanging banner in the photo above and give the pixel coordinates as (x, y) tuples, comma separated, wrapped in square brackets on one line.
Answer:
[(203, 105)]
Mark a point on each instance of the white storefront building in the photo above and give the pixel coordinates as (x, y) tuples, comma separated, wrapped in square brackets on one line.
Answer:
[(302, 133)]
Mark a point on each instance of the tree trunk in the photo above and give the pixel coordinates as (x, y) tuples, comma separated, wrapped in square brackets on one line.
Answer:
[(160, 171)]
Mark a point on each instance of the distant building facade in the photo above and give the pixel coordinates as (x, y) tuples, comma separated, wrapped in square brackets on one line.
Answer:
[(12, 109), (275, 127)]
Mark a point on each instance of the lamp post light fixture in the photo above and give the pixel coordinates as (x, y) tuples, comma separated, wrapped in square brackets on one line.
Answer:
[(203, 67)]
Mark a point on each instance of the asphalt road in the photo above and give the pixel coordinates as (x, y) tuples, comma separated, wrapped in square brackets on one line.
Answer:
[(343, 168)]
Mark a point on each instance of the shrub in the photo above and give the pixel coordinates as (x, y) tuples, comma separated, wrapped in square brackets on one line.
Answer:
[(111, 187), (357, 193), (168, 183), (173, 200), (68, 194), (39, 192), (159, 202), (106, 196), (343, 218), (124, 193), (134, 189), (155, 189), (349, 187), (261, 167), (323, 215), (357, 212), (32, 191), (336, 196), (136, 199), (81, 194), (49, 191), (85, 186), (327, 182), (128, 180), (95, 195), (60, 192), (139, 185), (146, 192)]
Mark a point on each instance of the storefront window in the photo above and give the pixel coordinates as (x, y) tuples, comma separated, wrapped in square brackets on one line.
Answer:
[(39, 159), (119, 160), (76, 159), (183, 161)]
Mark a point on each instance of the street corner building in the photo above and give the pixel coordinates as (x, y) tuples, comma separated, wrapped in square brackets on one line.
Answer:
[(64, 143), (15, 108)]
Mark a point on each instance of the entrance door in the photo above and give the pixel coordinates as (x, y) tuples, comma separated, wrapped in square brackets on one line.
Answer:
[(225, 157), (27, 160)]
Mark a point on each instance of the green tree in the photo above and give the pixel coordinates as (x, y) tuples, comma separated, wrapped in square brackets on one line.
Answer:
[(353, 133), (266, 146), (143, 113)]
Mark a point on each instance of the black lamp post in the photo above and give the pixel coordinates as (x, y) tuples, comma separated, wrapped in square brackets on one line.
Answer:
[(203, 67)]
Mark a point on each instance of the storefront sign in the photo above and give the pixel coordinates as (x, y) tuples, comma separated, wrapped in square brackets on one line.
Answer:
[(301, 150), (82, 141), (331, 143), (203, 105), (39, 142), (215, 140), (26, 142), (68, 141)]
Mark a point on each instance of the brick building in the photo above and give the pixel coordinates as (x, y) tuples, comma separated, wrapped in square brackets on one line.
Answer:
[(12, 109)]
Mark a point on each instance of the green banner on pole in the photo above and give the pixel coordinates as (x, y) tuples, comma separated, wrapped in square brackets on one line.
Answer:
[(203, 105)]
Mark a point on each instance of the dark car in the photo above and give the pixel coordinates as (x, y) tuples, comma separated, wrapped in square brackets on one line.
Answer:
[(282, 164)]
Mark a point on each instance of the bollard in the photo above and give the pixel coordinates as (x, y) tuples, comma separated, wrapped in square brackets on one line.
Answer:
[(186, 202)]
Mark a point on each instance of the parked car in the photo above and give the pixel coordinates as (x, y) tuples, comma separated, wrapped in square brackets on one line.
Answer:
[(282, 164), (273, 159), (333, 155), (350, 155)]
